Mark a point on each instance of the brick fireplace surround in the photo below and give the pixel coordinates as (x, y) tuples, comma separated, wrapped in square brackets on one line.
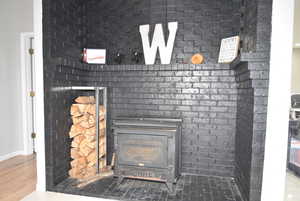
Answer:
[(223, 107)]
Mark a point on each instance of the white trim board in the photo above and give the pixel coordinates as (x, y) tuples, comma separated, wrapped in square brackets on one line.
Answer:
[(39, 76), (27, 143), (10, 155), (274, 172)]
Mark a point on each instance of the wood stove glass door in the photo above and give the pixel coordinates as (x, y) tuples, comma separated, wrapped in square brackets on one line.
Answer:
[(142, 150)]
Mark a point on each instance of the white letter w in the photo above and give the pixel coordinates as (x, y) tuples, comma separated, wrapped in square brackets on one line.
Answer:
[(158, 41)]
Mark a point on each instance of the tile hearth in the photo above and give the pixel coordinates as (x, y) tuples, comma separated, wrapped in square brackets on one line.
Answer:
[(189, 188)]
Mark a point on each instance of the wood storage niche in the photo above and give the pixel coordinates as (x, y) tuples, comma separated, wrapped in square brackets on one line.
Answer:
[(84, 138)]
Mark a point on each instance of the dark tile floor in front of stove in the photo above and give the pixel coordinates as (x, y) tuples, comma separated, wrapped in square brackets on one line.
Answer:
[(188, 188)]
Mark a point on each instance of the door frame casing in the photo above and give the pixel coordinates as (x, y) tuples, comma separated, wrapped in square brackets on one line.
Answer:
[(39, 98), (25, 98)]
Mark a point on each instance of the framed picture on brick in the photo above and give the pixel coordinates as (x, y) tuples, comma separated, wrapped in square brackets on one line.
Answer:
[(229, 49), (94, 56)]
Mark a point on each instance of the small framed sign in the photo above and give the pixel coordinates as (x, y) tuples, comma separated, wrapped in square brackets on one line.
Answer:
[(94, 56), (229, 49)]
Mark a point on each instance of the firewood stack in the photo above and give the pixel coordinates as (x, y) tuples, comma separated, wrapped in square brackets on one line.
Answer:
[(83, 133)]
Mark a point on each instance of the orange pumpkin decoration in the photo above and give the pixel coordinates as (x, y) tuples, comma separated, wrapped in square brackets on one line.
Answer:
[(197, 59)]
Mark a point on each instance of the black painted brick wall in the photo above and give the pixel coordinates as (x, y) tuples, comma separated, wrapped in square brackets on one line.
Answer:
[(255, 21), (203, 96), (255, 31), (202, 24), (260, 82), (58, 98), (62, 37), (252, 77), (248, 29), (252, 84), (244, 129), (66, 30)]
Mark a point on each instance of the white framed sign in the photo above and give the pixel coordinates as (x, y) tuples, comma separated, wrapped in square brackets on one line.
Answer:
[(94, 56), (229, 49)]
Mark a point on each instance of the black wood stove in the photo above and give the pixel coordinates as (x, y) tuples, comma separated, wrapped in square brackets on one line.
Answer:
[(148, 148)]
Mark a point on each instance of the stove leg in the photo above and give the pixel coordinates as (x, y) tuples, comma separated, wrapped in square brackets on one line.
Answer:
[(171, 188), (120, 180)]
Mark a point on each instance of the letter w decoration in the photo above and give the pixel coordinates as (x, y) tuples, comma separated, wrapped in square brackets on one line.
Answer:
[(158, 42)]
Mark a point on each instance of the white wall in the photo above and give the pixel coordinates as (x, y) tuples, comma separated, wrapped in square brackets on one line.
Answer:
[(296, 71), (296, 51), (297, 22), (16, 16)]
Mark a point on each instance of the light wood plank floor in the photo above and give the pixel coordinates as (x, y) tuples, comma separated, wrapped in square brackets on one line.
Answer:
[(50, 196), (17, 177)]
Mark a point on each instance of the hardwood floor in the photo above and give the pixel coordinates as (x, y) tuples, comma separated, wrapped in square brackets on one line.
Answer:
[(50, 196), (17, 177)]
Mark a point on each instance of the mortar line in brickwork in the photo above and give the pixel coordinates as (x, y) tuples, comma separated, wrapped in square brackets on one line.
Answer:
[(125, 193), (107, 190)]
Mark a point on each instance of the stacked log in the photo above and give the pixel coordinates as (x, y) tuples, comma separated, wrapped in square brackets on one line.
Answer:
[(84, 142)]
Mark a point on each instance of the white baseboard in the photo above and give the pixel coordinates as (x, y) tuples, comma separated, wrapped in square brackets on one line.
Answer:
[(10, 155)]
